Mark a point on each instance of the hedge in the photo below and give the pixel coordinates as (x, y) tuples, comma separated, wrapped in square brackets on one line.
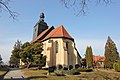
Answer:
[(84, 70), (116, 67)]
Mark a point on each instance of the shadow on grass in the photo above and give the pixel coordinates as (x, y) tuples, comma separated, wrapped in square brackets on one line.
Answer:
[(15, 79), (34, 77), (13, 69), (29, 78)]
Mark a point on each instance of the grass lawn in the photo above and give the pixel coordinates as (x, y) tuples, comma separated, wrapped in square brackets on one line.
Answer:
[(96, 75), (2, 72)]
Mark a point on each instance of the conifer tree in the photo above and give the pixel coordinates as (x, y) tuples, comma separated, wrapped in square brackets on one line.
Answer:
[(14, 59), (111, 54), (89, 57)]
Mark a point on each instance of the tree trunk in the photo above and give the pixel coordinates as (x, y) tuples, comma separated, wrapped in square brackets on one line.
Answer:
[(28, 66)]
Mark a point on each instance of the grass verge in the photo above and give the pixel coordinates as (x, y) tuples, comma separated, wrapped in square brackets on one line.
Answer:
[(95, 75)]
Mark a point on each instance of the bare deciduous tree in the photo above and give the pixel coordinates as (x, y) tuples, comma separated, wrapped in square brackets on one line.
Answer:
[(4, 5), (81, 6)]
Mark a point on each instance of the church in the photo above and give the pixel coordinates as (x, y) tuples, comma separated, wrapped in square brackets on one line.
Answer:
[(58, 45)]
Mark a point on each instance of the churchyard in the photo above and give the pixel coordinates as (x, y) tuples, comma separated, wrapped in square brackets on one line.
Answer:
[(84, 74), (94, 75)]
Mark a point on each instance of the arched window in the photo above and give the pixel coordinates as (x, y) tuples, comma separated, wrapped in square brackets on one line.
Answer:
[(57, 47), (67, 45)]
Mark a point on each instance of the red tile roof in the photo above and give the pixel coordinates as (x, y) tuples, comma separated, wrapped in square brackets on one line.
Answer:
[(58, 32), (43, 33), (54, 33), (98, 58)]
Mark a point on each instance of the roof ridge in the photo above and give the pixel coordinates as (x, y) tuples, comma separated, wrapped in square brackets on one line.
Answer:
[(62, 30), (65, 31)]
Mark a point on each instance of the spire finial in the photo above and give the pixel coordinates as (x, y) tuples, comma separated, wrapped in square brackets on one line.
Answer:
[(109, 38), (42, 16)]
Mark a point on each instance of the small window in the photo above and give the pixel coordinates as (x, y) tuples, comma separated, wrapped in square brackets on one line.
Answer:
[(35, 29), (67, 45), (57, 47)]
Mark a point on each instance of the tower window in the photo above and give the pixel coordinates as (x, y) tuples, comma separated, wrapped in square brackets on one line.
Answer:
[(35, 30), (57, 46)]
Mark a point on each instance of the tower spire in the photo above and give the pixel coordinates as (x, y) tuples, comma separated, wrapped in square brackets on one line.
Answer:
[(42, 16), (40, 26)]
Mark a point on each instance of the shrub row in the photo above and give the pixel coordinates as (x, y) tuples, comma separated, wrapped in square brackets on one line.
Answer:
[(59, 67), (84, 70), (66, 72), (71, 72)]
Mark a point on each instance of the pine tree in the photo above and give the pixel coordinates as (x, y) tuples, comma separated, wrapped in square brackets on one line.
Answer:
[(89, 57), (14, 59), (111, 54)]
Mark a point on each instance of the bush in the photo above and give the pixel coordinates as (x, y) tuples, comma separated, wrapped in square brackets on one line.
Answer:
[(65, 68), (77, 66), (51, 69), (70, 67), (71, 72), (34, 65), (116, 67), (84, 70), (59, 67), (54, 67)]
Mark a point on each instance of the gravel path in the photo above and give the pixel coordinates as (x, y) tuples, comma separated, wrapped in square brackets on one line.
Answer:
[(14, 73)]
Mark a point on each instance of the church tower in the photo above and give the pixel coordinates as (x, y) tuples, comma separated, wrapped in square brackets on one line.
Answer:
[(40, 26)]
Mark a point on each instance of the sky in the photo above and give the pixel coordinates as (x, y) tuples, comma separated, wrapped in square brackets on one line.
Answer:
[(92, 29)]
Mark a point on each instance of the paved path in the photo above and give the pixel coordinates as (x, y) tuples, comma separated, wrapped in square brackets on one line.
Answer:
[(15, 74)]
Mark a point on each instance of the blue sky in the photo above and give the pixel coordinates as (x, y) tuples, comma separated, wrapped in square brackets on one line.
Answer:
[(92, 29)]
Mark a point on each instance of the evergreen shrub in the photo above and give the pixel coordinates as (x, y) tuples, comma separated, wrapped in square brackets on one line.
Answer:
[(71, 72), (84, 70), (59, 67), (70, 67), (116, 67), (77, 66)]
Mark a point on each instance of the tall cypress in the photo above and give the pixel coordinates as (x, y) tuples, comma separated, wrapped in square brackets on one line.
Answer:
[(89, 57), (111, 54)]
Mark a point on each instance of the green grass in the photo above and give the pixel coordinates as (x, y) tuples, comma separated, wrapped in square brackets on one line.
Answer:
[(42, 75), (96, 75), (2, 72)]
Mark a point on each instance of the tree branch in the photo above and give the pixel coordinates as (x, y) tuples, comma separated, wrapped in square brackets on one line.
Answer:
[(4, 5), (80, 6)]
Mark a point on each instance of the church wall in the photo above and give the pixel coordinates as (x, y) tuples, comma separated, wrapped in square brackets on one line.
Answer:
[(46, 52), (53, 58), (64, 56), (69, 52), (60, 54), (73, 57), (76, 58)]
